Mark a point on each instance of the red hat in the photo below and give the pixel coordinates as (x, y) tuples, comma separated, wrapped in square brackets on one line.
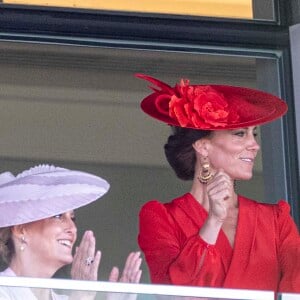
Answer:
[(210, 107)]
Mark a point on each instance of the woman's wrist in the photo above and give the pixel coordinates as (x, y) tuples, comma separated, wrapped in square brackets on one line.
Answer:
[(210, 230)]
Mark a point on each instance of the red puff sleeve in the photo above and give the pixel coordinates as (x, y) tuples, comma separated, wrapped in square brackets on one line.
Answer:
[(173, 257), (289, 250)]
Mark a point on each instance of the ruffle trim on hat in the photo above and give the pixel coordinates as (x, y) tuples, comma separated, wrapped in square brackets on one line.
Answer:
[(26, 192), (40, 169), (44, 191), (6, 177)]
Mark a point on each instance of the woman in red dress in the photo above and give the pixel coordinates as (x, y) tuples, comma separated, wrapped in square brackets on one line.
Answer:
[(211, 236)]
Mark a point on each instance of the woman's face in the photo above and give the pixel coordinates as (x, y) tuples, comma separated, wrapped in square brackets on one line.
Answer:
[(234, 151), (51, 240)]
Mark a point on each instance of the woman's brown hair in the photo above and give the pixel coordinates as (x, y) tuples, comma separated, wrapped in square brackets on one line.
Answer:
[(7, 248), (179, 150)]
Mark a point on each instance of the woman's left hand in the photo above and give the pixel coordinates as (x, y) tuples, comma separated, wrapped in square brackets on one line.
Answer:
[(131, 272), (86, 260)]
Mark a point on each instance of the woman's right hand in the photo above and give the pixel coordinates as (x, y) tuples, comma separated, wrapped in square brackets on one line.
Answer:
[(220, 194), (86, 260)]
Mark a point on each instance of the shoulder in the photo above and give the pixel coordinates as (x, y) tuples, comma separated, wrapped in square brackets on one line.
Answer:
[(280, 208), (7, 272), (161, 207), (158, 213), (280, 205)]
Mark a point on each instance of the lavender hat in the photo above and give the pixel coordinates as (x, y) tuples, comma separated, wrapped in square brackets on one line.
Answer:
[(44, 191)]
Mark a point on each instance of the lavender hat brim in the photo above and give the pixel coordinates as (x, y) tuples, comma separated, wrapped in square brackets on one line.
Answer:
[(46, 191)]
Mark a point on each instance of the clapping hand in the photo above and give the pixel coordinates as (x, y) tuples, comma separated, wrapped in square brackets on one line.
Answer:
[(86, 260), (131, 274), (86, 263)]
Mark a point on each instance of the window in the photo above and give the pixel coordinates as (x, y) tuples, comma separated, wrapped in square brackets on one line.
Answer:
[(78, 107), (242, 9)]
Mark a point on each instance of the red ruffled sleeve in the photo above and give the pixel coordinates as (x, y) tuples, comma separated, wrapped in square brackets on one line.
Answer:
[(289, 250), (171, 255)]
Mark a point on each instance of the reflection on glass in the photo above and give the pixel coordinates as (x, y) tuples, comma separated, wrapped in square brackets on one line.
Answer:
[(79, 107), (242, 9)]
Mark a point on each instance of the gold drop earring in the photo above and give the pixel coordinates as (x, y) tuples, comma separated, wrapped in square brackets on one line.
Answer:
[(205, 172)]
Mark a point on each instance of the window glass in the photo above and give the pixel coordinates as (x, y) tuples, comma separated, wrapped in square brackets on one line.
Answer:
[(78, 107), (242, 9)]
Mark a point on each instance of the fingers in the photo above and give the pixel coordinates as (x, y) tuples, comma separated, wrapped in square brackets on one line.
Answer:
[(94, 267), (131, 272), (87, 246), (86, 262), (221, 185), (114, 275), (220, 191), (137, 277)]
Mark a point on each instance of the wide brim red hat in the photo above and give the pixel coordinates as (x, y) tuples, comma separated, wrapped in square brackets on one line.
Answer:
[(210, 107)]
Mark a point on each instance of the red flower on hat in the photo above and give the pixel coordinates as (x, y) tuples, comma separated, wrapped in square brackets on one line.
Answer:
[(210, 107), (200, 107)]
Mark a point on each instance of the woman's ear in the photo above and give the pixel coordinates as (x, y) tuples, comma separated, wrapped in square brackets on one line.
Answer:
[(19, 237), (201, 146), (18, 230)]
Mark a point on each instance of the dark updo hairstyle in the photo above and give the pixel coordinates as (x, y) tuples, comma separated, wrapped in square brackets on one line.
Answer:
[(180, 152)]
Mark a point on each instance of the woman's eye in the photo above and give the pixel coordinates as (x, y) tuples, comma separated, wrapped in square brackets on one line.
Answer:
[(240, 133), (64, 217)]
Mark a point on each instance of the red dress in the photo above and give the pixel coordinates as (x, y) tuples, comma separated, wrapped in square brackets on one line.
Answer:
[(265, 256)]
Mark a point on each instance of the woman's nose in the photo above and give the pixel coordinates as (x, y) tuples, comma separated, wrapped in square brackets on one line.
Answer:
[(253, 144), (71, 226)]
